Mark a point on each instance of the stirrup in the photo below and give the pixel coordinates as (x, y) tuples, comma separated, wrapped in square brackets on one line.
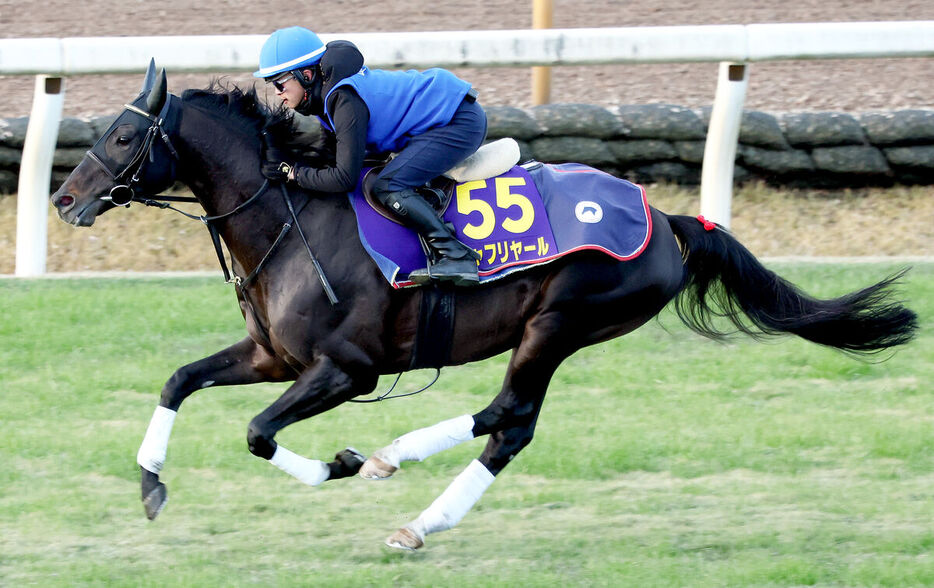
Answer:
[(457, 277)]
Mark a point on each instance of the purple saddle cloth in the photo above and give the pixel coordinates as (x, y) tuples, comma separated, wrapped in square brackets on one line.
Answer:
[(519, 219)]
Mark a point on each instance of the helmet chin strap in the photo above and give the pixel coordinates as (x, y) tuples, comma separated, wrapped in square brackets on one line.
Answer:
[(312, 102)]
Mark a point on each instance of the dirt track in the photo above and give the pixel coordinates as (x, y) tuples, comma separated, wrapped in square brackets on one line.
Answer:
[(854, 85), (847, 85)]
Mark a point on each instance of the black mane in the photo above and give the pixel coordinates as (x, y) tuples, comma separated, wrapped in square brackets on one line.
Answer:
[(244, 108)]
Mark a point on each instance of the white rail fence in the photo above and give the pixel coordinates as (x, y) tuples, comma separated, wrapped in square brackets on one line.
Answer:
[(734, 46)]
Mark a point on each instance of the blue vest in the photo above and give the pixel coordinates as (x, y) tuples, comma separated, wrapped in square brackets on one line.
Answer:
[(403, 104)]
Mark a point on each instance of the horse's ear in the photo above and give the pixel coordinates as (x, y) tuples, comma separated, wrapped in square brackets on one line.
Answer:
[(150, 78), (157, 95)]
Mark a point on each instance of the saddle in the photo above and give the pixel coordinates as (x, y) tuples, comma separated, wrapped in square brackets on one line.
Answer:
[(531, 214), (488, 161), (438, 193)]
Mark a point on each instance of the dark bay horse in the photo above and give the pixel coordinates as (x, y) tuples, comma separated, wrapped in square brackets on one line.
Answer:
[(334, 348)]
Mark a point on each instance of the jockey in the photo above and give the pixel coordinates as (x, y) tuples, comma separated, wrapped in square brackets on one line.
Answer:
[(431, 119)]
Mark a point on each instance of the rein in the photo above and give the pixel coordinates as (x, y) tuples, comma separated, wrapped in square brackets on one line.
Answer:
[(163, 202), (386, 395), (230, 277)]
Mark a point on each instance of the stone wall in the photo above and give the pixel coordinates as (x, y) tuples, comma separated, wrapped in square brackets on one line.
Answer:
[(661, 142), (646, 143)]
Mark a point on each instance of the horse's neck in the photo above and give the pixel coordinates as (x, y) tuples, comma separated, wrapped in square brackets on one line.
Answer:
[(222, 169), (218, 165)]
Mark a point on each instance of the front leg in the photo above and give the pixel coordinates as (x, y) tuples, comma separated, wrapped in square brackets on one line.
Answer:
[(321, 387), (242, 363)]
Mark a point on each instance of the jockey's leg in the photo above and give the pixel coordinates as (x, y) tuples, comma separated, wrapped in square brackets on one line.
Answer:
[(242, 363), (321, 387), (424, 158), (454, 262)]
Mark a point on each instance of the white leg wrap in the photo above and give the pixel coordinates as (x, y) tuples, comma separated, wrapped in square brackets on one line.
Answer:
[(309, 471), (448, 509), (418, 445), (151, 453)]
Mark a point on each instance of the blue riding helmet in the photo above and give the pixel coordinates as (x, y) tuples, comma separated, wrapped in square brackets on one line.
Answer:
[(289, 49)]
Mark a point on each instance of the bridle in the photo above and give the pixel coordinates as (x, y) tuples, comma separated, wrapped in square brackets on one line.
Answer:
[(125, 190), (128, 181)]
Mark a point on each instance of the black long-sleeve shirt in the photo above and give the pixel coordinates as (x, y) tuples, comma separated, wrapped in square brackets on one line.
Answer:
[(351, 117)]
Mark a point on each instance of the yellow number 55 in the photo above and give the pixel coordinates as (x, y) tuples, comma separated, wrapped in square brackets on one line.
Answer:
[(504, 200)]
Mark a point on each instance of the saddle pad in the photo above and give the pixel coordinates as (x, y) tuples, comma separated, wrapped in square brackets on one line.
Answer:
[(520, 219)]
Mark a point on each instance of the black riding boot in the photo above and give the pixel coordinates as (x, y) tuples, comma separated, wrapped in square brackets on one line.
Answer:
[(452, 260)]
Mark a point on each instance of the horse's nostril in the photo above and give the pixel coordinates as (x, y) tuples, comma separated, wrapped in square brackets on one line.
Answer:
[(66, 201)]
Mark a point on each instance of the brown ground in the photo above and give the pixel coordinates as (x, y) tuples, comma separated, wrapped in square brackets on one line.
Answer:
[(812, 223), (848, 85)]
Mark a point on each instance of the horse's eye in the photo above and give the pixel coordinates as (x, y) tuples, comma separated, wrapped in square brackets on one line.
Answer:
[(123, 140)]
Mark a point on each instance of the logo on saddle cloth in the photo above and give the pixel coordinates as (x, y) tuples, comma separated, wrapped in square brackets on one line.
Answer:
[(520, 219)]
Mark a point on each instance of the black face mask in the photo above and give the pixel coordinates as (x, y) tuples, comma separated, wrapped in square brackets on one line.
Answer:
[(313, 102)]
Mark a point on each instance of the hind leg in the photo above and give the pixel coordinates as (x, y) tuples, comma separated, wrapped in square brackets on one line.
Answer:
[(466, 489), (541, 350), (417, 446), (584, 304), (423, 443), (509, 420)]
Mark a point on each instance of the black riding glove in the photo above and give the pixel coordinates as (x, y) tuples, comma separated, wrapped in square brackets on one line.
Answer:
[(276, 170), (274, 166)]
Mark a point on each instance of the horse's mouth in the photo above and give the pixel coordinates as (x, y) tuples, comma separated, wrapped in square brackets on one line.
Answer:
[(83, 219)]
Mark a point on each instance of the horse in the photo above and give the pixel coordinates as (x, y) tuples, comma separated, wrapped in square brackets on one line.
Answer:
[(320, 315)]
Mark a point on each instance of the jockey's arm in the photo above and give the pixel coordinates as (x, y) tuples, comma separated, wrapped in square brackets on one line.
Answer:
[(350, 117)]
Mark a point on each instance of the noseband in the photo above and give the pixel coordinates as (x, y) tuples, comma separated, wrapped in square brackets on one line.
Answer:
[(124, 190)]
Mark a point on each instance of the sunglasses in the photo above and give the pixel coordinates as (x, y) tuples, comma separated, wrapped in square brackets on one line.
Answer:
[(279, 82)]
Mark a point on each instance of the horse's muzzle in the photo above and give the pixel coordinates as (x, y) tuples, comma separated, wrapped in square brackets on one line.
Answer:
[(63, 202), (71, 212)]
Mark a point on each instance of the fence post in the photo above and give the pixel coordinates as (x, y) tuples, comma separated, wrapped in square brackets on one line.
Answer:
[(542, 11), (722, 138), (35, 175)]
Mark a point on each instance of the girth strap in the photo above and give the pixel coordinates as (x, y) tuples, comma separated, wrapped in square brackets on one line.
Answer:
[(435, 328)]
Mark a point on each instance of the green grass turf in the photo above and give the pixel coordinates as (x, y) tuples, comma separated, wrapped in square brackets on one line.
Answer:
[(660, 459)]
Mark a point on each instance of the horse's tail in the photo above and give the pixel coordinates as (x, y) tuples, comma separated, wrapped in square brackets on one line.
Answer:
[(723, 279)]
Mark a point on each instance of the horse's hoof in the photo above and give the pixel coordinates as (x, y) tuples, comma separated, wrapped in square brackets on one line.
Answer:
[(351, 459), (376, 469), (155, 501), (405, 539), (346, 463)]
